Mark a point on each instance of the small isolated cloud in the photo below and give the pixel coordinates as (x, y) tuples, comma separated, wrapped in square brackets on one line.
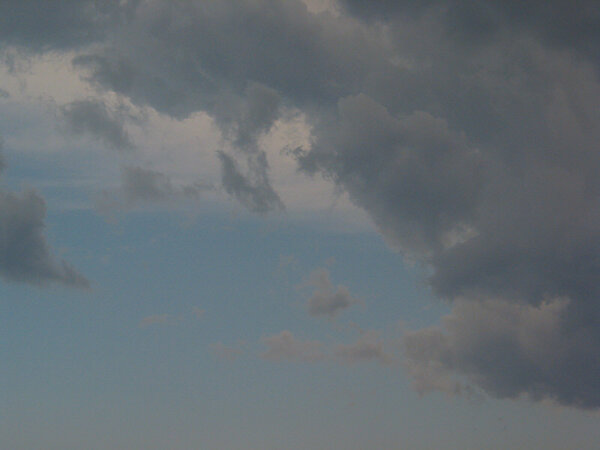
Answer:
[(144, 186), (366, 348), (94, 118), (328, 300), (157, 319), (285, 347), (24, 253), (226, 352)]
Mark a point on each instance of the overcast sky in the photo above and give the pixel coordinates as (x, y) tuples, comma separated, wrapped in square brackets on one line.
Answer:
[(325, 224)]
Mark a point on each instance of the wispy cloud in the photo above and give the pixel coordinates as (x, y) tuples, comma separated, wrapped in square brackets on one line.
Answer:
[(92, 117), (285, 346)]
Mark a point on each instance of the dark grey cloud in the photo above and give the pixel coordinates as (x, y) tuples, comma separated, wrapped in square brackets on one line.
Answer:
[(509, 214), (573, 25), (252, 189), (327, 299), (467, 130), (24, 253), (141, 186), (509, 350), (379, 159), (37, 26), (92, 117), (234, 70)]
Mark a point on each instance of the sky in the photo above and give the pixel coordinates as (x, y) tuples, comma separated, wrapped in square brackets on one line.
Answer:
[(324, 224)]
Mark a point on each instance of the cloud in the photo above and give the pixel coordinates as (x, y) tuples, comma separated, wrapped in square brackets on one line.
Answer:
[(253, 190), (501, 214), (144, 186), (327, 300), (470, 21), (24, 252), (92, 117), (367, 347), (508, 350), (285, 347), (230, 70)]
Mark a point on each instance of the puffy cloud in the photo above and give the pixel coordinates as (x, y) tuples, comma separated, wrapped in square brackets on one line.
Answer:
[(235, 71), (380, 159), (503, 213), (327, 300), (508, 350), (92, 117), (285, 347), (368, 347), (24, 252)]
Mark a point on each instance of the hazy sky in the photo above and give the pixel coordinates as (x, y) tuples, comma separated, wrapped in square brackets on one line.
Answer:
[(299, 224)]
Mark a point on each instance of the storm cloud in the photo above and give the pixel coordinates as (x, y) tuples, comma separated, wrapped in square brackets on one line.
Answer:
[(468, 131)]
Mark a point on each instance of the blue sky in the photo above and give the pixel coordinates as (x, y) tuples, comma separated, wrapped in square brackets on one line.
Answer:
[(254, 224)]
